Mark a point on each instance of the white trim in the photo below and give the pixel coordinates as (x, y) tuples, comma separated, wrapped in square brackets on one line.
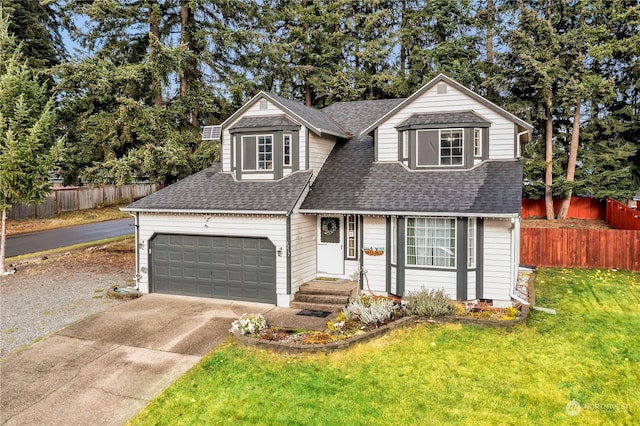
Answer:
[(212, 212), (440, 149), (451, 256), (477, 131), (257, 169), (469, 92), (284, 137), (417, 214)]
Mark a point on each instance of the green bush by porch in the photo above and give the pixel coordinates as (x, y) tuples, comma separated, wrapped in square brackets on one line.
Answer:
[(527, 374)]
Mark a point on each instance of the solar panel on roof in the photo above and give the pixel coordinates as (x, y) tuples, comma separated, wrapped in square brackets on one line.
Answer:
[(210, 133)]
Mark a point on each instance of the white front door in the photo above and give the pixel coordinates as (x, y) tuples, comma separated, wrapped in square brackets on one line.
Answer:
[(330, 245)]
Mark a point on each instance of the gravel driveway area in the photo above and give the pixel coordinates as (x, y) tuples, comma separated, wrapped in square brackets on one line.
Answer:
[(46, 295)]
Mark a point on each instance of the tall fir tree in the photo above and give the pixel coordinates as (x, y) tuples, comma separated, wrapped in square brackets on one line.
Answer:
[(27, 123)]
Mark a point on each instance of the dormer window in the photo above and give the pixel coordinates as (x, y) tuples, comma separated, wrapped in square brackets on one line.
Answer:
[(265, 147), (442, 140), (257, 152)]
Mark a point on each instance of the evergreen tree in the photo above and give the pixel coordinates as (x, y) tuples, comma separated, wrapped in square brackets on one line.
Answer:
[(27, 123)]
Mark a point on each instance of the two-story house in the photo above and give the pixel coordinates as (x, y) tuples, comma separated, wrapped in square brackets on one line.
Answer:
[(403, 193)]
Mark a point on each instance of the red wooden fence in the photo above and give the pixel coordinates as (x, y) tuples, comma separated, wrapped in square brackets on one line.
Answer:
[(580, 208), (580, 248), (622, 217)]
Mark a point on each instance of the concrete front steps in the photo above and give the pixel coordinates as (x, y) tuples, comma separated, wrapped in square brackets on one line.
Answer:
[(327, 296)]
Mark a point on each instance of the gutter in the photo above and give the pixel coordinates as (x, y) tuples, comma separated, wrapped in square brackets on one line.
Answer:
[(137, 239), (405, 213), (515, 228), (181, 211), (518, 153)]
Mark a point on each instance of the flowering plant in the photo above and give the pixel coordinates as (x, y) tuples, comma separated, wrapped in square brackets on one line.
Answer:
[(249, 324)]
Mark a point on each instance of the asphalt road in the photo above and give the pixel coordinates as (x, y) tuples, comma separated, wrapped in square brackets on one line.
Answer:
[(46, 240)]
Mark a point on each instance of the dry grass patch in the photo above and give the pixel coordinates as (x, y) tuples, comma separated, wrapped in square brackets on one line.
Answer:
[(65, 219)]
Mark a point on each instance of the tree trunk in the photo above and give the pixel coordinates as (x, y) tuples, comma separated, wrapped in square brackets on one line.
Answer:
[(184, 40), (3, 240), (189, 69), (490, 20), (573, 157), (403, 49), (548, 178), (154, 36)]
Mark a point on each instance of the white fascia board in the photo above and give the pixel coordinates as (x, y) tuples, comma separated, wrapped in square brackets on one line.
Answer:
[(223, 212), (426, 214), (449, 80)]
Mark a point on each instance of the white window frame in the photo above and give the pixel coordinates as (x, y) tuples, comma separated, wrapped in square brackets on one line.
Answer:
[(435, 252), (257, 152), (450, 131), (394, 240), (477, 142), (286, 139), (351, 222), (405, 145), (268, 164), (471, 242)]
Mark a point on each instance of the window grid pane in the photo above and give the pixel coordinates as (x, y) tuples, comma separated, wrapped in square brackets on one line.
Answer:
[(351, 236), (287, 150), (431, 242), (451, 142), (471, 233), (477, 143), (265, 154)]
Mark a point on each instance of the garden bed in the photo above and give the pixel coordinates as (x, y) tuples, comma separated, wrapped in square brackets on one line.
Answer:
[(303, 341), (297, 345)]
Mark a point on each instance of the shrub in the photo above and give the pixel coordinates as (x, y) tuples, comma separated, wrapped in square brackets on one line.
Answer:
[(249, 324), (430, 303), (370, 310)]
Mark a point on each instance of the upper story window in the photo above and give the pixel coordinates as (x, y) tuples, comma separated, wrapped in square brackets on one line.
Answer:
[(445, 139), (451, 147), (477, 142), (286, 150), (257, 152)]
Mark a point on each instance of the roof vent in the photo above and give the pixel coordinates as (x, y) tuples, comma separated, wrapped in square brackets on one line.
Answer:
[(442, 88), (211, 133), (264, 104)]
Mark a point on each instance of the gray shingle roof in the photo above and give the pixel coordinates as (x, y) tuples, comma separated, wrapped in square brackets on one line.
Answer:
[(313, 116), (351, 182), (443, 118), (213, 191), (266, 121), (355, 116)]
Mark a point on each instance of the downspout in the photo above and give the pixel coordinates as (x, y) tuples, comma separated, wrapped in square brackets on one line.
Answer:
[(515, 230), (137, 239), (518, 142)]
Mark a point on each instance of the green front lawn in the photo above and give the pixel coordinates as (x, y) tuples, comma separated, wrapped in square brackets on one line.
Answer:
[(589, 352)]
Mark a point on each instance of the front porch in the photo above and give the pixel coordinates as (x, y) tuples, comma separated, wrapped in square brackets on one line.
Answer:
[(324, 295)]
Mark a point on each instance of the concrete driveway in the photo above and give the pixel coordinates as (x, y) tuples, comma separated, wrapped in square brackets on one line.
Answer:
[(104, 369)]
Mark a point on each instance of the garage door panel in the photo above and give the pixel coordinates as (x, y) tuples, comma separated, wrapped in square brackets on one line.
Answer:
[(234, 259), (223, 267)]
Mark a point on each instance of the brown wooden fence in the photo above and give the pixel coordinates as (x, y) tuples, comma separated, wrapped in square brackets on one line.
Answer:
[(580, 208), (80, 198), (580, 248), (622, 217)]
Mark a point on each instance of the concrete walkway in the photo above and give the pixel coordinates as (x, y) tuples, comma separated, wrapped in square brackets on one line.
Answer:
[(104, 369)]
